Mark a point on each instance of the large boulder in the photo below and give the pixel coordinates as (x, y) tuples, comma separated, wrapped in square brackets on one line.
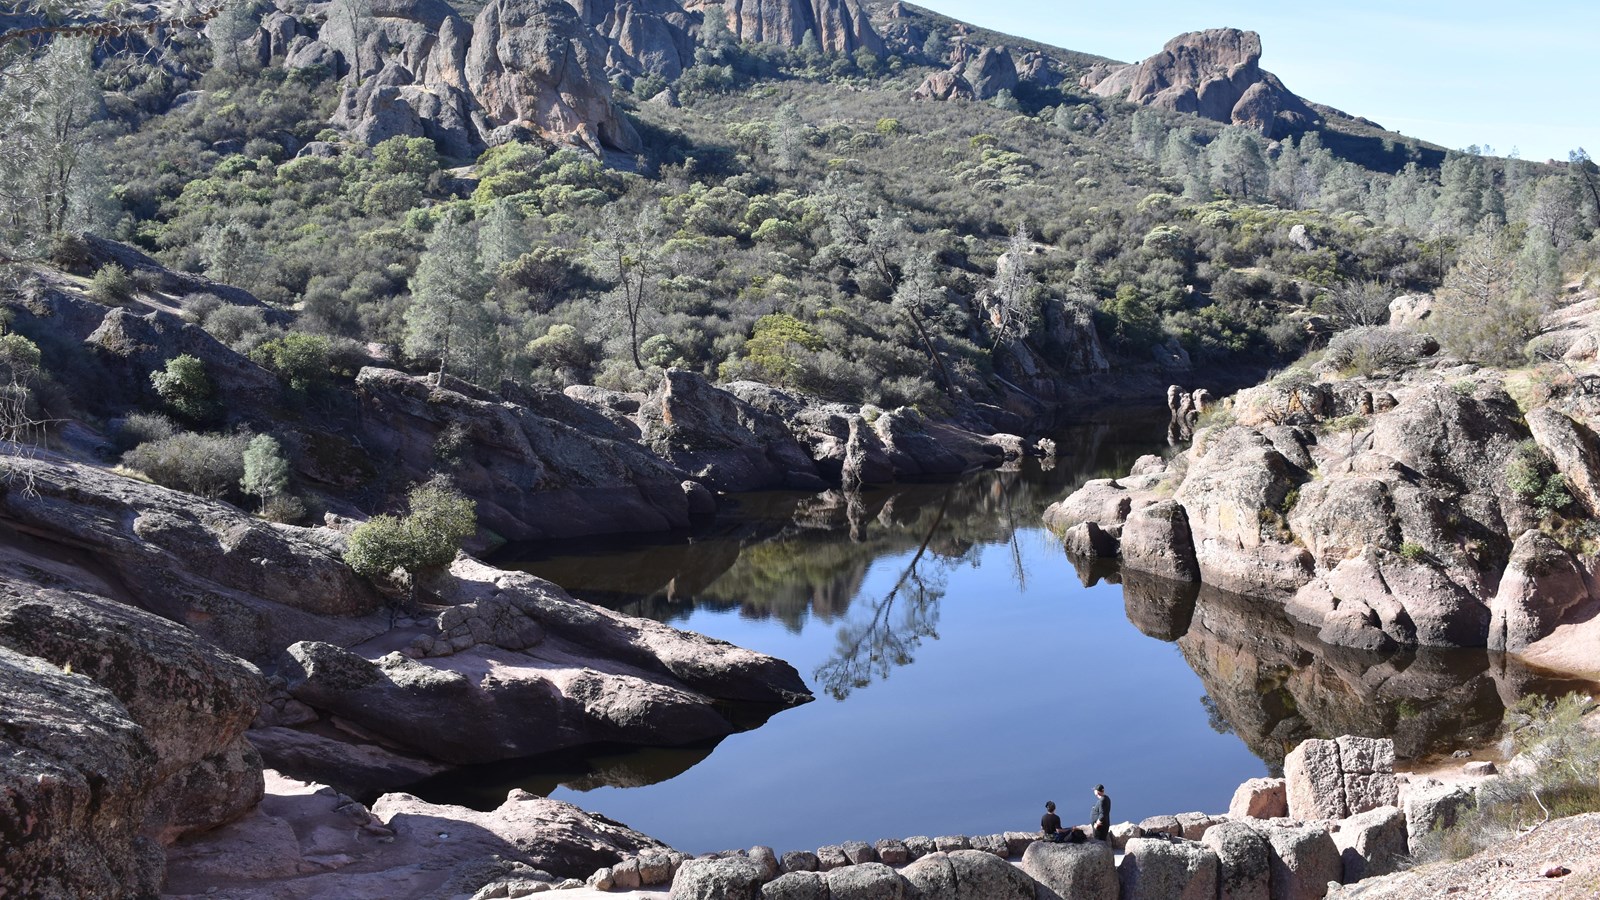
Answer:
[(990, 72), (1156, 539), (1215, 74), (534, 64), (944, 86), (1260, 798), (1372, 843), (1175, 869), (75, 775), (967, 875), (1431, 807), (866, 881), (723, 441), (1304, 859), (730, 878), (1541, 586), (1340, 778), (1244, 861), (797, 886), (1085, 871), (192, 701), (1574, 450)]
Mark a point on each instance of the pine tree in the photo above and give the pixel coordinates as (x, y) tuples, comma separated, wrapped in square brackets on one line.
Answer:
[(448, 318)]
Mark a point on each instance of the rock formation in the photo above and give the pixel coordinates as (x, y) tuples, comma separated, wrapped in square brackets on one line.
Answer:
[(991, 71), (944, 86), (534, 67), (1215, 74), (840, 26), (642, 35)]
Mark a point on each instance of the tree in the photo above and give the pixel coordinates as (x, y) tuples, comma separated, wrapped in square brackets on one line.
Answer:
[(266, 471), (1355, 304), (627, 253), (427, 537), (48, 147), (231, 254), (1587, 174), (1012, 289), (357, 16), (936, 48), (1554, 214), (448, 318), (916, 296), (502, 237), (1238, 165), (235, 23), (1489, 307), (185, 386)]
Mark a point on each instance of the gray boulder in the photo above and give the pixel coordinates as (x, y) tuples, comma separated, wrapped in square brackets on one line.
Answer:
[(944, 86), (732, 878), (797, 886), (1260, 798), (968, 875), (75, 772), (799, 861), (1169, 869), (1372, 843), (1541, 586), (1073, 871), (1430, 808), (1244, 861), (991, 71), (1156, 539), (1335, 779), (1304, 859), (866, 881)]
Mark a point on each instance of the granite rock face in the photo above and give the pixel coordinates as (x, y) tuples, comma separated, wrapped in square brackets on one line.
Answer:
[(1215, 74), (1340, 778), (840, 26), (722, 440)]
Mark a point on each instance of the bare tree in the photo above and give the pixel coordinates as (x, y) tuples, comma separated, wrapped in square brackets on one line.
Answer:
[(47, 149), (628, 254), (1355, 304), (1012, 289)]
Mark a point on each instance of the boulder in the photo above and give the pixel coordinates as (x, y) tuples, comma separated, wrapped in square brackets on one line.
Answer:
[(1215, 74), (1156, 539), (944, 86), (1102, 501), (1073, 871), (75, 779), (967, 875), (1335, 779), (642, 35), (1574, 450), (1431, 807), (990, 72), (858, 852), (1304, 859), (1410, 310), (1542, 585), (920, 846), (763, 855), (732, 878), (799, 861), (721, 440), (1372, 843), (1169, 869), (831, 857), (892, 852), (1244, 861), (797, 886), (1196, 824), (1159, 825), (192, 702), (866, 881), (1260, 798)]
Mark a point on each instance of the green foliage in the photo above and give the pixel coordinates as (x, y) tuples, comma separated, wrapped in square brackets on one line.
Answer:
[(778, 346), (19, 357), (1413, 551), (1532, 476), (111, 284), (440, 519), (142, 428), (303, 360), (184, 385), (266, 470), (210, 465)]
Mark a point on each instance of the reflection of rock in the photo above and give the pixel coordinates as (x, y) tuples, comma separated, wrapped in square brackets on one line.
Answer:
[(1159, 607)]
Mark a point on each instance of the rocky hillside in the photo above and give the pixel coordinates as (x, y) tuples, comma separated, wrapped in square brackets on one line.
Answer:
[(1427, 503)]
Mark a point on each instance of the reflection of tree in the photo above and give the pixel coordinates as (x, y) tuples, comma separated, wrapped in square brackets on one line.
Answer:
[(869, 650)]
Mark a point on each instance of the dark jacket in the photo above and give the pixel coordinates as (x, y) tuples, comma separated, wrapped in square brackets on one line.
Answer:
[(1101, 811)]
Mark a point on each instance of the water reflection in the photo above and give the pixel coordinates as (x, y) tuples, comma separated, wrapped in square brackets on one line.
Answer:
[(1272, 682)]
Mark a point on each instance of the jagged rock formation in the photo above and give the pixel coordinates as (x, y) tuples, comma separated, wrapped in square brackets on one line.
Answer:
[(524, 67), (991, 71), (1215, 74), (643, 35), (944, 86), (840, 26)]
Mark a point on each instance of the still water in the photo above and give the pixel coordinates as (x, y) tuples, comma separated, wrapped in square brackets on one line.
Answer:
[(966, 671)]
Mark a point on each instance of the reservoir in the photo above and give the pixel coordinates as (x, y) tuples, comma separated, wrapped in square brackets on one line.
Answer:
[(966, 671)]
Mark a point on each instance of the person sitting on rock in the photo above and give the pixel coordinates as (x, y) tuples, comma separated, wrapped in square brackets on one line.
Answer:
[(1050, 823)]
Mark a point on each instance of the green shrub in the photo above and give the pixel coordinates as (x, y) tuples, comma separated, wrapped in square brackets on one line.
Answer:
[(426, 538), (111, 284), (1531, 476), (143, 428), (266, 471), (303, 360), (1412, 551), (210, 465), (185, 386)]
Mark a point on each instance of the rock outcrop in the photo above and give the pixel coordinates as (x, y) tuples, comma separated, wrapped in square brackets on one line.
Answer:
[(642, 35), (1337, 779), (523, 67), (533, 476), (991, 71), (840, 26), (944, 86), (720, 439), (1215, 74)]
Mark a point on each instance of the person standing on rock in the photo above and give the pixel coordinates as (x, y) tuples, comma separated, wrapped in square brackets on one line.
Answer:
[(1050, 823), (1100, 817)]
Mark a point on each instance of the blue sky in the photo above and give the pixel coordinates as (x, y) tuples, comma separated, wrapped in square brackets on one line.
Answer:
[(1504, 74)]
